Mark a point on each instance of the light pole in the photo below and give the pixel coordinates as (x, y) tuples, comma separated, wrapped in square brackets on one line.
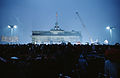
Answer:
[(110, 29), (12, 27)]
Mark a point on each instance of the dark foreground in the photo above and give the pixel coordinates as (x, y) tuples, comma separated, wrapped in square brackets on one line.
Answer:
[(58, 61)]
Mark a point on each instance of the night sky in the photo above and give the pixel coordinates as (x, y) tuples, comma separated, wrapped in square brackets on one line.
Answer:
[(31, 15)]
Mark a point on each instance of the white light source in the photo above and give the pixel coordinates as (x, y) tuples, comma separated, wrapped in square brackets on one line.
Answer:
[(15, 26), (106, 42), (9, 26), (107, 27)]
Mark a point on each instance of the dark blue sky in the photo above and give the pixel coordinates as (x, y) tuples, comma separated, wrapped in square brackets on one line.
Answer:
[(31, 15)]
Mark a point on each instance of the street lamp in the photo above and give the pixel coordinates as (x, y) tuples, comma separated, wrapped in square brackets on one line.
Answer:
[(110, 29), (12, 27), (107, 27)]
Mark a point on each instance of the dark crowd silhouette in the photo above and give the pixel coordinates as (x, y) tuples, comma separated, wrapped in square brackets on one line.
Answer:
[(59, 61)]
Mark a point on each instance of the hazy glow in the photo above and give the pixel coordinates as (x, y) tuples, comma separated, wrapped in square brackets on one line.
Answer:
[(106, 42), (15, 26), (107, 27), (9, 26)]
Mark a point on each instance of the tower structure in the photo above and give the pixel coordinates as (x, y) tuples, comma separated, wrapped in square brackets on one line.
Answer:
[(56, 27)]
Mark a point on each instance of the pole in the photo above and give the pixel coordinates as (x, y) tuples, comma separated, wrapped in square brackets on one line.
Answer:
[(11, 35), (111, 34)]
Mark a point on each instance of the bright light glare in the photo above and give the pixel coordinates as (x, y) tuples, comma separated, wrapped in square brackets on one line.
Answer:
[(15, 26), (14, 58), (106, 42), (107, 27), (9, 26)]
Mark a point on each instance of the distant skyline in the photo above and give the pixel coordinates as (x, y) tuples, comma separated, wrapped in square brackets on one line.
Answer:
[(31, 15)]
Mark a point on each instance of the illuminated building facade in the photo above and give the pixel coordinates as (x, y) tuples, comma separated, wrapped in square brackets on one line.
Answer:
[(56, 36)]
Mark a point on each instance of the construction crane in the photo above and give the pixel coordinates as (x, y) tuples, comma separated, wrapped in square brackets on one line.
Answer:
[(90, 38)]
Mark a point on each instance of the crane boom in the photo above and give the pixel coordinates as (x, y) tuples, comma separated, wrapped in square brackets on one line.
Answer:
[(84, 27)]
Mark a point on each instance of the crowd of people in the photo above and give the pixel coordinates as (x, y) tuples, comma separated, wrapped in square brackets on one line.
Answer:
[(59, 61)]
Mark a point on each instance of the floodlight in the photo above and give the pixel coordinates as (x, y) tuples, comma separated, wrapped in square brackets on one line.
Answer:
[(15, 26), (107, 27), (9, 26)]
